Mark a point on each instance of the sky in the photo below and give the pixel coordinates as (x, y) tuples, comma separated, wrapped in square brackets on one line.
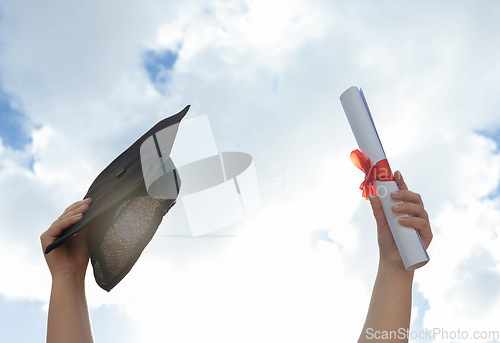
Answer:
[(81, 80)]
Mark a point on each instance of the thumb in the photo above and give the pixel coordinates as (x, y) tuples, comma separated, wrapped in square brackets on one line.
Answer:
[(378, 212)]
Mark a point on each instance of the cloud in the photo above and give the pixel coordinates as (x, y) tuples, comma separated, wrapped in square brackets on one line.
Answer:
[(247, 290), (269, 76)]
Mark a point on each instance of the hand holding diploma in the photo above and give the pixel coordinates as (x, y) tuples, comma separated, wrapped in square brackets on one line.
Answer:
[(371, 159), (418, 219)]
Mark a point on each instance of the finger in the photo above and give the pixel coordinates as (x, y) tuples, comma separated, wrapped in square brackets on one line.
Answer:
[(378, 212), (398, 177), (409, 196), (412, 209), (75, 206), (72, 207), (422, 226), (57, 228), (59, 225), (82, 209), (79, 211)]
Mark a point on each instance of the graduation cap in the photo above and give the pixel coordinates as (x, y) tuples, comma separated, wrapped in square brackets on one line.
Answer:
[(129, 199)]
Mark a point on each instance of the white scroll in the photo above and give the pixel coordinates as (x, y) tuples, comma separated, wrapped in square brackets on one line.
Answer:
[(408, 240)]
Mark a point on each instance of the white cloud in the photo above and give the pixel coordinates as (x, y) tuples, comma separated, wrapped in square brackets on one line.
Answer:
[(269, 75), (250, 289)]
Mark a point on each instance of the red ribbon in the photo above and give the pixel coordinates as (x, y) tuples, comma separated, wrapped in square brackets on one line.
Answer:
[(380, 171)]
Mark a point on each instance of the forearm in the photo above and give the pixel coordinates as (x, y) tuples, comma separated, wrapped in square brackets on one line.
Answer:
[(390, 306), (68, 319)]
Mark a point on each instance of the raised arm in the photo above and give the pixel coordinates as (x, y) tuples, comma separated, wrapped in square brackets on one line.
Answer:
[(388, 317), (68, 319)]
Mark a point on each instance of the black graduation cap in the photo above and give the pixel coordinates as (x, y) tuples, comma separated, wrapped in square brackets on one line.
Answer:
[(129, 199)]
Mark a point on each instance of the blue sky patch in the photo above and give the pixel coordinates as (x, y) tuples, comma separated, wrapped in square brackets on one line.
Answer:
[(421, 302), (16, 316), (13, 128), (494, 135), (110, 324), (320, 235), (158, 64), (495, 193), (274, 84)]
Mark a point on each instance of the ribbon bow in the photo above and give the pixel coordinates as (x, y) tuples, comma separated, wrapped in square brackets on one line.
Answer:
[(380, 171)]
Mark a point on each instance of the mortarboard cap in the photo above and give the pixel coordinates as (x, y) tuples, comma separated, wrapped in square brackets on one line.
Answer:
[(129, 199)]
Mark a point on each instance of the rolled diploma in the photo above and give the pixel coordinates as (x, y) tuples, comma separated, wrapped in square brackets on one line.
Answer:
[(408, 241)]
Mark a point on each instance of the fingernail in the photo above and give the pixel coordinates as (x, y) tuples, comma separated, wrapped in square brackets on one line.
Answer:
[(395, 207), (78, 215), (398, 175), (371, 196), (395, 193), (401, 219)]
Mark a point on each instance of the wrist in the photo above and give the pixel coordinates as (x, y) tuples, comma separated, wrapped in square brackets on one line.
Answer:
[(394, 272), (69, 280)]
